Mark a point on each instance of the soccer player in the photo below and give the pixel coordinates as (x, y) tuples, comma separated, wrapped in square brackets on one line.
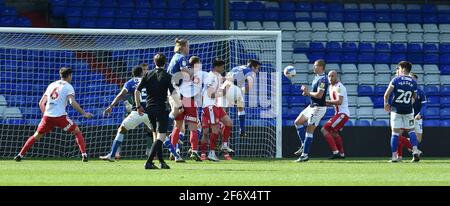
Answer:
[(314, 112), (133, 119), (158, 83), (404, 89), (213, 113), (182, 76), (331, 129), (244, 77), (419, 106), (53, 104)]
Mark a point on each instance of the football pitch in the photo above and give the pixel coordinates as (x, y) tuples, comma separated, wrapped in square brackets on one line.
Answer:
[(258, 172)]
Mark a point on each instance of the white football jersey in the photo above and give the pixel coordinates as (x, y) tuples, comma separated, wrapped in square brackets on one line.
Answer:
[(57, 96), (212, 80), (339, 90)]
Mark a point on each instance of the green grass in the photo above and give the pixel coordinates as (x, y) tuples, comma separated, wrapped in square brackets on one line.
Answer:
[(237, 172)]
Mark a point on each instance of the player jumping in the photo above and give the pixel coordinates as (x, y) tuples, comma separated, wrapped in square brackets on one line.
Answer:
[(53, 104), (314, 112), (338, 98), (402, 115)]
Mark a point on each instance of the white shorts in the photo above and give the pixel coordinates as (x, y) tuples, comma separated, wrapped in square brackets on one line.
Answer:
[(314, 114), (134, 119), (402, 121), (418, 126)]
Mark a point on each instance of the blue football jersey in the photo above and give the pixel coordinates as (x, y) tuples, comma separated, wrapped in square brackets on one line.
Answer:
[(131, 86), (177, 62), (404, 89), (240, 74), (320, 82), (419, 102)]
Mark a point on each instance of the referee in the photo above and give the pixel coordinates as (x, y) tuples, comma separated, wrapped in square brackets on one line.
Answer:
[(157, 84)]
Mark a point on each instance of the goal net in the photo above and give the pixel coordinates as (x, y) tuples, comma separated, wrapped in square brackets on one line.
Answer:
[(102, 60)]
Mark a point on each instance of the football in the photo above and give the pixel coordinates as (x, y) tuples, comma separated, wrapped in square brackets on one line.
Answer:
[(289, 71)]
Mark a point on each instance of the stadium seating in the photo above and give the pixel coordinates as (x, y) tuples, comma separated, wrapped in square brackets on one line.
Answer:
[(366, 48)]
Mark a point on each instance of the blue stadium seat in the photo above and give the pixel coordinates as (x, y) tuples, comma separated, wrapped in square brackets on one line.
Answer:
[(142, 4), (430, 18), (432, 113), (349, 47), (368, 17), (383, 58), (238, 15), (431, 90), (349, 123), (255, 15), (189, 24), (336, 16), (379, 123), (383, 17), (304, 6), (239, 6), (397, 57), (141, 13), (58, 11), (445, 101), (107, 12), (295, 89), (207, 4), (316, 47), (398, 47), (105, 23), (445, 113), (300, 47), (122, 24), (366, 57), (362, 123), (108, 4), (433, 101), (271, 15), (205, 24), (349, 58), (286, 89), (139, 23), (445, 69), (158, 4), (417, 58), (329, 113), (287, 6), (444, 90), (88, 23), (444, 59), (297, 101), (379, 90), (445, 123), (176, 14), (124, 13), (378, 102), (157, 13), (431, 58), (72, 22), (191, 4), (444, 47), (365, 90), (287, 16), (333, 57), (398, 17), (366, 47), (444, 18), (23, 22), (73, 12), (90, 12), (8, 11), (414, 18), (414, 48), (430, 48), (382, 47), (292, 114), (431, 123), (333, 47), (351, 17), (313, 56), (319, 6)]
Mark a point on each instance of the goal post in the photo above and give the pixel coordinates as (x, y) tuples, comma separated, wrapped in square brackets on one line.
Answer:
[(102, 60)]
